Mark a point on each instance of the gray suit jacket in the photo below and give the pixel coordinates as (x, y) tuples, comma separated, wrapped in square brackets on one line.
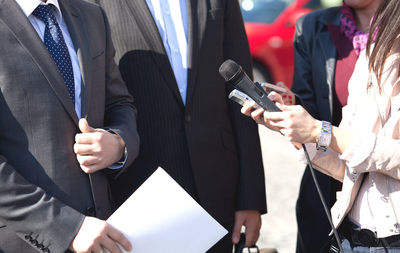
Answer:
[(44, 194), (207, 145)]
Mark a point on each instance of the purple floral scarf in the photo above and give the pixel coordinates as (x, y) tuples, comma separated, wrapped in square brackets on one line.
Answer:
[(349, 28)]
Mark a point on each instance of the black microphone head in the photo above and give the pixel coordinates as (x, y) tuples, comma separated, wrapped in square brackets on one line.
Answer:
[(229, 70)]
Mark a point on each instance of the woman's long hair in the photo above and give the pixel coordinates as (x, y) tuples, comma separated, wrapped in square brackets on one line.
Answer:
[(384, 31)]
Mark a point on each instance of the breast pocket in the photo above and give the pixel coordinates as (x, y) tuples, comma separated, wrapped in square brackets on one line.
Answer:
[(97, 54), (98, 61)]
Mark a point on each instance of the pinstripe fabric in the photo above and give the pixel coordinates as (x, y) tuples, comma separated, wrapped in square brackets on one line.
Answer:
[(208, 146)]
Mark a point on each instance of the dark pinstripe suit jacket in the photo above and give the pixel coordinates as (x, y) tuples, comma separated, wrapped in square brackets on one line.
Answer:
[(44, 194), (207, 146)]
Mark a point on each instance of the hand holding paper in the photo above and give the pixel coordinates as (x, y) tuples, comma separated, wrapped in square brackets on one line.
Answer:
[(161, 217)]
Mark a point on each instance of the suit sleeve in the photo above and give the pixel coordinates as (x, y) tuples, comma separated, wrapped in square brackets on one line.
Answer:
[(303, 85), (120, 114), (36, 217), (251, 188)]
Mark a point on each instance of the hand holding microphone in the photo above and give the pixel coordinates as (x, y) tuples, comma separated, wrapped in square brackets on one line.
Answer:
[(234, 75), (252, 110), (252, 96), (292, 121)]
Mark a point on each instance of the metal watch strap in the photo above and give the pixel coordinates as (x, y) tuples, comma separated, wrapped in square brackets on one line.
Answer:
[(324, 140)]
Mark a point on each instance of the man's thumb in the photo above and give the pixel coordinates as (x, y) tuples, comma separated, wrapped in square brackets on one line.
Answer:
[(84, 126)]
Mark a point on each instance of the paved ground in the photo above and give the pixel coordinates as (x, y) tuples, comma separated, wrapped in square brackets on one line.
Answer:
[(282, 177)]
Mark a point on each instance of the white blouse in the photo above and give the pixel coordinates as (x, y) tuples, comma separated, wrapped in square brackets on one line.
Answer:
[(370, 195)]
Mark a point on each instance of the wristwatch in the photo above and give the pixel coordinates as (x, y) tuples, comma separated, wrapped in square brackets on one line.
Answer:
[(324, 139)]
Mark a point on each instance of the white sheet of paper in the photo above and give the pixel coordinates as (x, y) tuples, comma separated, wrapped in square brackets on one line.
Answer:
[(161, 217)]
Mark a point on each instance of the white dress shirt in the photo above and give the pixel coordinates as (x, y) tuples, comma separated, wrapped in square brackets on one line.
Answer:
[(171, 19), (28, 6)]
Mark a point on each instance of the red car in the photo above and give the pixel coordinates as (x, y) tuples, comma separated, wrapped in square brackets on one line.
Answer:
[(270, 26)]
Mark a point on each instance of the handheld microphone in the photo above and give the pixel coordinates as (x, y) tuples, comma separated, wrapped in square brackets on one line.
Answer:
[(234, 74)]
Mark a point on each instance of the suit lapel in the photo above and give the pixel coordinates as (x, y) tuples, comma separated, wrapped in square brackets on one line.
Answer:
[(12, 15), (78, 33), (144, 19), (197, 20), (147, 25), (192, 47), (329, 55)]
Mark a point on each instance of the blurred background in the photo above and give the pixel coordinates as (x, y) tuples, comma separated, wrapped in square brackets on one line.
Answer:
[(270, 26)]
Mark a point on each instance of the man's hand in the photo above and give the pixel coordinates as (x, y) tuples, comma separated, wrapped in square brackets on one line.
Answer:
[(96, 148), (251, 219), (96, 235)]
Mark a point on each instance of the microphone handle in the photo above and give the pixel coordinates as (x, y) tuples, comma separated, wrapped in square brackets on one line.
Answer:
[(257, 93)]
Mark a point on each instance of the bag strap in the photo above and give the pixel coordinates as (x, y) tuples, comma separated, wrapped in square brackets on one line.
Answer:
[(240, 245), (255, 247)]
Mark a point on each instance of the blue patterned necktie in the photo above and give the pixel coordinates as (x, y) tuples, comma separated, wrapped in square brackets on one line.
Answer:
[(55, 43)]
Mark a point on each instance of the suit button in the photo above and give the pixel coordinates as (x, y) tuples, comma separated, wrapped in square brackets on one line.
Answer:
[(28, 237), (188, 118), (40, 246), (45, 250), (34, 242)]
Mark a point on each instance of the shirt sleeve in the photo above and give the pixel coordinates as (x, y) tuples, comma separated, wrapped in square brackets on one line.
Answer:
[(374, 153), (120, 164)]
